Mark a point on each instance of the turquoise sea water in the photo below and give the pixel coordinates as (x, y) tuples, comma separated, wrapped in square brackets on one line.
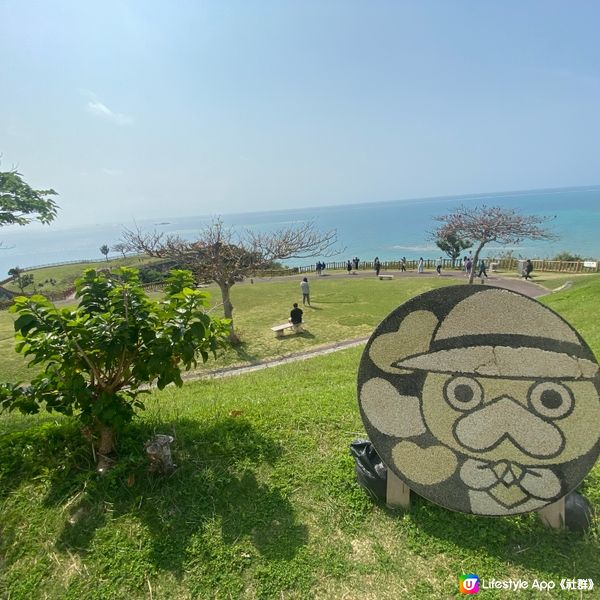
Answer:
[(389, 230)]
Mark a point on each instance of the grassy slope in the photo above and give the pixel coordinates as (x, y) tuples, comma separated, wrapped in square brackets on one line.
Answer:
[(263, 505), (65, 275), (579, 306)]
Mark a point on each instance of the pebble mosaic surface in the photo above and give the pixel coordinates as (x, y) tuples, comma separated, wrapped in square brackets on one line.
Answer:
[(482, 400)]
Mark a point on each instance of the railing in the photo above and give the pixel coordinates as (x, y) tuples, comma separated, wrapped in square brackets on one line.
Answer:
[(504, 264)]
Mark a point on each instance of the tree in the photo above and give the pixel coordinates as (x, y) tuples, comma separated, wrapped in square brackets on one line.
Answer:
[(222, 256), (452, 245), (23, 280), (105, 250), (120, 247), (98, 355), (484, 224), (21, 204)]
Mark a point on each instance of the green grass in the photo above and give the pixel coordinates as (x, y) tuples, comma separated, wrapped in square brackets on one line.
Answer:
[(65, 275), (263, 505), (579, 306), (342, 309), (550, 280)]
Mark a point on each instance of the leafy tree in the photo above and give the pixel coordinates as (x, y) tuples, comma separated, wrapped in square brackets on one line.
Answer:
[(23, 280), (21, 204), (484, 224), (452, 245), (105, 250), (15, 272), (98, 355), (221, 255)]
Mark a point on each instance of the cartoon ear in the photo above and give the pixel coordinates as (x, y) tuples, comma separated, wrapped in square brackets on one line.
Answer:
[(413, 337)]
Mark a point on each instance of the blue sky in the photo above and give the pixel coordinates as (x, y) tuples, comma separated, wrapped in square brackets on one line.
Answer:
[(157, 109)]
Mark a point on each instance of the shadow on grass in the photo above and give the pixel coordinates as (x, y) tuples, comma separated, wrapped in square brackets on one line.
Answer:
[(292, 336), (216, 487), (242, 352), (521, 540)]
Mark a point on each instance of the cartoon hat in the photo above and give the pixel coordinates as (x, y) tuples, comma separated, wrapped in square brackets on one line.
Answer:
[(502, 334)]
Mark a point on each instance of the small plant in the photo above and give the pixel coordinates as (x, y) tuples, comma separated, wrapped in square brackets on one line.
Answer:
[(98, 355)]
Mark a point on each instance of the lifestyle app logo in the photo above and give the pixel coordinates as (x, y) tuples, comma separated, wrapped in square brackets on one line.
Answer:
[(469, 584)]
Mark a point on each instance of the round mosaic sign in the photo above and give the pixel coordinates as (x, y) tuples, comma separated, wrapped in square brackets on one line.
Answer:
[(482, 400)]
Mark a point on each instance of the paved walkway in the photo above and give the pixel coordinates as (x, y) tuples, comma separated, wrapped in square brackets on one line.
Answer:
[(522, 286)]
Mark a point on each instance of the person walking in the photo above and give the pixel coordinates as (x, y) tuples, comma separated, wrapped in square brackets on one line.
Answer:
[(527, 269), (482, 270), (403, 264), (468, 267), (305, 291), (349, 267), (420, 266), (377, 266), (438, 265)]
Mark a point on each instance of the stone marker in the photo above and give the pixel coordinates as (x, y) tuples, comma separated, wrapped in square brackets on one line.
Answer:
[(158, 450), (483, 401)]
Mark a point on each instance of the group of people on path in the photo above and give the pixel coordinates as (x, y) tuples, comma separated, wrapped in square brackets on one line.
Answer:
[(320, 267), (469, 266), (296, 312)]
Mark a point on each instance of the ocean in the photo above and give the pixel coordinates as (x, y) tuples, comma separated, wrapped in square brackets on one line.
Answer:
[(389, 230)]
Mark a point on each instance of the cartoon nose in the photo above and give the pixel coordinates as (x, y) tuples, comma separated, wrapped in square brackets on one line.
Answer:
[(505, 418)]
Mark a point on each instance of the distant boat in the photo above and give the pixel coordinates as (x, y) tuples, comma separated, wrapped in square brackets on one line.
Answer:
[(163, 223)]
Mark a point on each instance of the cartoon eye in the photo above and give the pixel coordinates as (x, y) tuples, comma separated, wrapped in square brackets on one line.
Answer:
[(552, 400), (463, 393)]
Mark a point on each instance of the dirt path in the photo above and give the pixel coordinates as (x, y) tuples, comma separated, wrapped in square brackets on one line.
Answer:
[(526, 288)]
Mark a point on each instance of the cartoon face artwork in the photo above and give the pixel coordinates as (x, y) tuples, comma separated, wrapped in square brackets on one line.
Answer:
[(482, 400)]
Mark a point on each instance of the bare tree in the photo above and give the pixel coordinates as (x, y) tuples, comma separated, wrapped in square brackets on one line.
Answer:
[(225, 256), (484, 224), (120, 247)]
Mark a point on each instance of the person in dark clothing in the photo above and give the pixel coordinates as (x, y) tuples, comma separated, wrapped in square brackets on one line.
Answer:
[(403, 264), (527, 269), (349, 267), (296, 315), (482, 269), (377, 265)]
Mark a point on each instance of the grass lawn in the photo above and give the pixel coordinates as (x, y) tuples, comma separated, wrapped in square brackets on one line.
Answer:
[(342, 309), (264, 503), (549, 280)]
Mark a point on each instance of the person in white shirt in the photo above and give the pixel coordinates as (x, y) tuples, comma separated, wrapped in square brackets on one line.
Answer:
[(305, 291)]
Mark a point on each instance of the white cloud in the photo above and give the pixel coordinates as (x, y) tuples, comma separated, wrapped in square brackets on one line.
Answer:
[(111, 172), (100, 109)]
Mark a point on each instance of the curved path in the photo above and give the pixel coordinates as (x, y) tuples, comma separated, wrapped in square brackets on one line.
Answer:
[(521, 286)]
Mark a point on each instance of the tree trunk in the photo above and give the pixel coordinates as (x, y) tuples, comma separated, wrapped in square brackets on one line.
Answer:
[(228, 310), (475, 261), (106, 444)]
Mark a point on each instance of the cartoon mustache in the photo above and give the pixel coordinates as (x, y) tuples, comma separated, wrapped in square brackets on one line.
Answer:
[(506, 419), (535, 481)]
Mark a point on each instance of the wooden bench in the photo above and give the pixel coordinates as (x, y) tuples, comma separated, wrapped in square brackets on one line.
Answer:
[(382, 277), (279, 329)]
